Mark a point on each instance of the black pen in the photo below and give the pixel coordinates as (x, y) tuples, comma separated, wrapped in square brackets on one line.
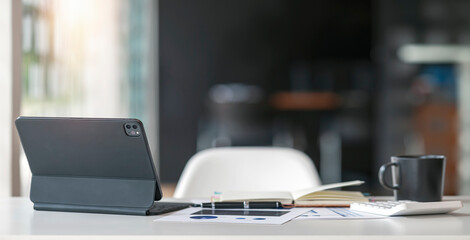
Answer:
[(241, 205)]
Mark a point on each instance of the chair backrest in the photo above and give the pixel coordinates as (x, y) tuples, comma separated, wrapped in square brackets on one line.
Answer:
[(246, 169)]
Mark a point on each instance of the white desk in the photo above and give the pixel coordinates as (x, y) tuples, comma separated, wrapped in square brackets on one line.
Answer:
[(18, 220)]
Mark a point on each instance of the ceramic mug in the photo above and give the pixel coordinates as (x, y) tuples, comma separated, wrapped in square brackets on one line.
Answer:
[(417, 178)]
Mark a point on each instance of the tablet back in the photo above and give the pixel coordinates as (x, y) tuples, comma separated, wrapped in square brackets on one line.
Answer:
[(89, 164)]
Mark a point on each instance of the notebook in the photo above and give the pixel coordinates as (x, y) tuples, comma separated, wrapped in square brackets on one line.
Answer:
[(312, 197)]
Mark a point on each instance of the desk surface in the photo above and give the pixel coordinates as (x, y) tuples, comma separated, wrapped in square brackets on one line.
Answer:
[(19, 220)]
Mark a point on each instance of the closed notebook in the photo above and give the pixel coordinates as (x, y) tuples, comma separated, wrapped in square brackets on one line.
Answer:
[(318, 196)]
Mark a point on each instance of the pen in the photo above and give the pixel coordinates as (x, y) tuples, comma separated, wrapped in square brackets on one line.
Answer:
[(242, 205)]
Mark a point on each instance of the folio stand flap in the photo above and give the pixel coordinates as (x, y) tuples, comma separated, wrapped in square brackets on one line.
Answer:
[(98, 195)]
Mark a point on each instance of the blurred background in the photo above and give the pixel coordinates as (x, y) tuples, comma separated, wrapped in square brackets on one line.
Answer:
[(348, 82)]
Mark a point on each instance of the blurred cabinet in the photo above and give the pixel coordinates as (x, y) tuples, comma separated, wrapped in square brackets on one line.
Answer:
[(436, 124)]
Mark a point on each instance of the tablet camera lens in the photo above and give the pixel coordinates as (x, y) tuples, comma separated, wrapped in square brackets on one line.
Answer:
[(132, 129)]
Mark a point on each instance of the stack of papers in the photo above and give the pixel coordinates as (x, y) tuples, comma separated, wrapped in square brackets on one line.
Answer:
[(253, 216), (262, 216)]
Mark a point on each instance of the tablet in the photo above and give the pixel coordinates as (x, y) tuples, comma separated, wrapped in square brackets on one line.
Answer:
[(100, 165)]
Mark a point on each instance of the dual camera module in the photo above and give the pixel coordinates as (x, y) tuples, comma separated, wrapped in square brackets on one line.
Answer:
[(132, 129)]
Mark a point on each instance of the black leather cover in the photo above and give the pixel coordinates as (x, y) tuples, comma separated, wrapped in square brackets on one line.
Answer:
[(89, 165)]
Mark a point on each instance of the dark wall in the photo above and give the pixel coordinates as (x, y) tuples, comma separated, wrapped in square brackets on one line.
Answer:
[(204, 42)]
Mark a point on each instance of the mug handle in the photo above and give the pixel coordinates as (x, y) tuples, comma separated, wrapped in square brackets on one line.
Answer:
[(382, 170)]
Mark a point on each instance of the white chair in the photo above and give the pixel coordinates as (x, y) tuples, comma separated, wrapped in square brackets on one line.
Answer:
[(246, 169)]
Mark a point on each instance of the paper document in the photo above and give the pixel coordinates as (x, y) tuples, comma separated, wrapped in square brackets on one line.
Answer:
[(336, 213), (254, 216)]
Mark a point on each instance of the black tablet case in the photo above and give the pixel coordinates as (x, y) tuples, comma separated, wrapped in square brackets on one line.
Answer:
[(88, 165)]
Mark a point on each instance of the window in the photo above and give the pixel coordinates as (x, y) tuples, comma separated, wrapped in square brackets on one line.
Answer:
[(89, 59)]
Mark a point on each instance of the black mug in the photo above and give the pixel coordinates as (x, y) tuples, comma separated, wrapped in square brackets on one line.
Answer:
[(417, 178)]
